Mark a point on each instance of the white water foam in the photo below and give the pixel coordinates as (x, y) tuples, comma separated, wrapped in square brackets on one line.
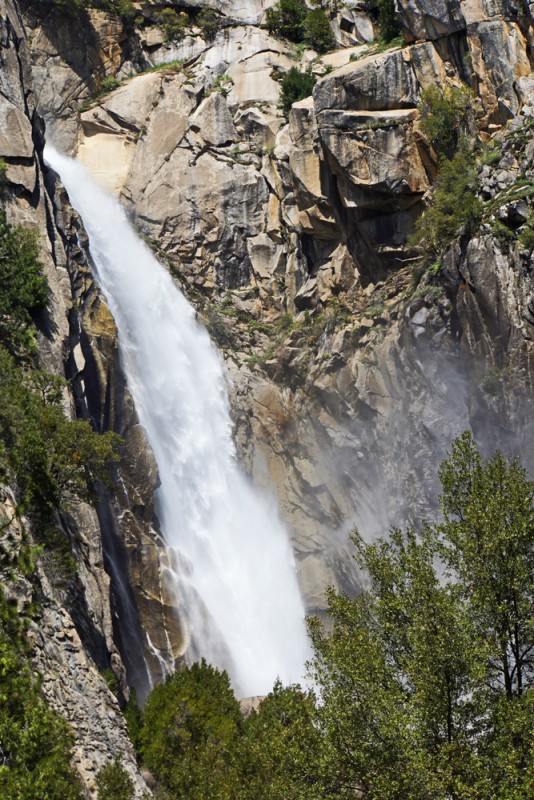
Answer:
[(236, 578)]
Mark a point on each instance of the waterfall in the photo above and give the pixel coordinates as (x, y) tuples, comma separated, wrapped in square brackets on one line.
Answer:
[(229, 557)]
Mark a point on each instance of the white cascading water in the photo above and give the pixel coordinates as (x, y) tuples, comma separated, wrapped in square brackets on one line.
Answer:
[(230, 558)]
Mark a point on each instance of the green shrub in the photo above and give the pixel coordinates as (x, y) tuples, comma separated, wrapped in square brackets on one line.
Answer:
[(504, 235), (454, 208), (109, 83), (209, 23), (3, 178), (68, 7), (493, 381), (296, 86), (123, 9), (23, 287), (287, 19), (174, 24), (280, 750), (114, 783), (388, 20), (444, 117), (423, 676), (134, 720), (42, 452), (191, 723), (526, 237), (317, 31)]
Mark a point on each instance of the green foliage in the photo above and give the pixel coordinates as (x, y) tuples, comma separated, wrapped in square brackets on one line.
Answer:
[(380, 45), (526, 237), (444, 117), (287, 18), (317, 31), (190, 725), (3, 178), (43, 452), (209, 23), (291, 19), (504, 235), (174, 24), (455, 208), (109, 83), (35, 742), (123, 9), (426, 679), (68, 7), (487, 540), (388, 20), (492, 382), (280, 748), (491, 153), (23, 288), (134, 720), (197, 744), (296, 86), (394, 675), (114, 783)]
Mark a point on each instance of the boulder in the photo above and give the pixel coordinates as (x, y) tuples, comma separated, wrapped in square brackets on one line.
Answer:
[(430, 19), (374, 154), (212, 121), (381, 81)]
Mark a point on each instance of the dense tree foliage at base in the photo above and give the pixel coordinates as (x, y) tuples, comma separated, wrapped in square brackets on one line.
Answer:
[(425, 678)]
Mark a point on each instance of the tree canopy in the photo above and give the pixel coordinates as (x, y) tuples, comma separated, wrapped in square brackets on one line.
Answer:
[(425, 677)]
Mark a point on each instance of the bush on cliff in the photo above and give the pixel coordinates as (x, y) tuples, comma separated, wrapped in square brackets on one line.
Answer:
[(123, 9), (191, 724), (444, 115), (317, 31), (209, 23), (454, 209), (44, 454), (296, 85), (114, 783), (388, 20), (286, 19), (23, 287)]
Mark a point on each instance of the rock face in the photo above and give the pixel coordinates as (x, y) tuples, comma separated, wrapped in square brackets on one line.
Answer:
[(72, 638), (290, 237)]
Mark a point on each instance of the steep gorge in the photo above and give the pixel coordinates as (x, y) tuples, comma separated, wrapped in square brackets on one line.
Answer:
[(346, 383)]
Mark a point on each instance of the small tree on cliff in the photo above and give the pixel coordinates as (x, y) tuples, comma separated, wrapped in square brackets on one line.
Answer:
[(286, 19)]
